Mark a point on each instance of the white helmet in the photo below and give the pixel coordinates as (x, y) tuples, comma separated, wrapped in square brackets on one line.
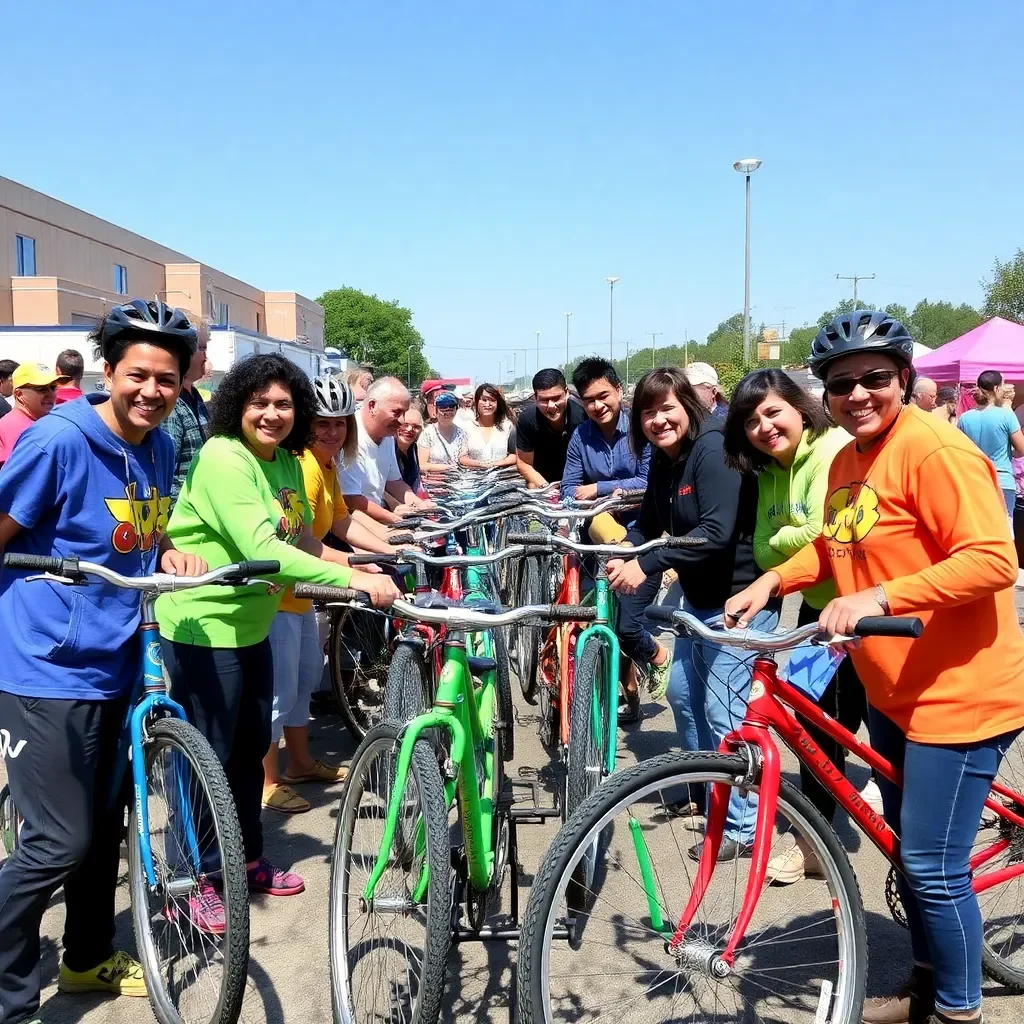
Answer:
[(333, 397)]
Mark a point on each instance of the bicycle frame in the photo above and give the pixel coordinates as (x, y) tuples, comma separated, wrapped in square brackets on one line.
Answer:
[(768, 708), (465, 713), (149, 697)]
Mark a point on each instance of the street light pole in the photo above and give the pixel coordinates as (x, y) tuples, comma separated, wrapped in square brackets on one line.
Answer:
[(654, 344), (746, 167), (567, 315), (537, 368), (611, 315), (409, 366)]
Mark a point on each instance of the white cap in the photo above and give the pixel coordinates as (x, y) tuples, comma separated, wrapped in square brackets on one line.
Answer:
[(701, 373), (465, 391)]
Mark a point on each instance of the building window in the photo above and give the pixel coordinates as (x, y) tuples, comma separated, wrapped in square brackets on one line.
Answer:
[(223, 313), (211, 306), (120, 279), (259, 322), (26, 249)]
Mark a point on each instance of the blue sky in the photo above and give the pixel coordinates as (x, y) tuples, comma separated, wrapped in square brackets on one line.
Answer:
[(489, 164)]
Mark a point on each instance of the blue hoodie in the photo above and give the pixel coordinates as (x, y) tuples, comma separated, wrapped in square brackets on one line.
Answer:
[(76, 488)]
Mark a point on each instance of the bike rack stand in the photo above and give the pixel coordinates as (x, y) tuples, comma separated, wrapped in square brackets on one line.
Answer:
[(529, 814)]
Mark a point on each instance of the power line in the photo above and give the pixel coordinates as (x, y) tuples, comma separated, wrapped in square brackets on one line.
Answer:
[(855, 278)]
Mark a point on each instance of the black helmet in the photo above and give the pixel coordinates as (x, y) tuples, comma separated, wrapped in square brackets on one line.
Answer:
[(139, 318), (863, 330)]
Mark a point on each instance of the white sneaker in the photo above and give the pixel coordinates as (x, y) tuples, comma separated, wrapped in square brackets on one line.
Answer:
[(793, 864), (872, 796)]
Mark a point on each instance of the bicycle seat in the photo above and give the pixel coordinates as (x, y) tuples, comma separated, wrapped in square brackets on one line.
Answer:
[(479, 665)]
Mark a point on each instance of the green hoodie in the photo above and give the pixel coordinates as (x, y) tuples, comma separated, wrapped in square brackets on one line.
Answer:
[(791, 506), (234, 507)]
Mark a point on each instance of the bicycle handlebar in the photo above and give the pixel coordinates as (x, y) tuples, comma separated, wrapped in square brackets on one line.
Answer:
[(440, 561), (461, 619), (72, 571), (755, 640), (542, 540)]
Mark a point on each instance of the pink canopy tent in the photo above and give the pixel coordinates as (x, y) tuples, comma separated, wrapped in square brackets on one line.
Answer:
[(997, 344)]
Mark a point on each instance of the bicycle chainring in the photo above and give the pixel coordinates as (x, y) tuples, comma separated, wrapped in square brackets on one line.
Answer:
[(894, 900)]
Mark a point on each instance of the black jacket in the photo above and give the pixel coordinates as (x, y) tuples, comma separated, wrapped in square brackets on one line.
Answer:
[(697, 495)]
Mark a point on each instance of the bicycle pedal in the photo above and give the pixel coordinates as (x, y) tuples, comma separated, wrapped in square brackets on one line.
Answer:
[(532, 812)]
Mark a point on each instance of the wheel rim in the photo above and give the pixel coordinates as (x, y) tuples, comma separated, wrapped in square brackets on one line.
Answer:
[(189, 962), (360, 656), (374, 955), (641, 982)]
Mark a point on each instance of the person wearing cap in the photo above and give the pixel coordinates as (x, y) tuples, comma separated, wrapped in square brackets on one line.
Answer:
[(442, 442), (35, 392), (703, 378), (464, 416), (430, 397)]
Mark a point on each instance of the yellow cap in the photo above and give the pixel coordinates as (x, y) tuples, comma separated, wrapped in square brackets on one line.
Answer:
[(37, 375)]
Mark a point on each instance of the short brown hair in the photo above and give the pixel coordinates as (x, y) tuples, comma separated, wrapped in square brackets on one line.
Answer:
[(652, 387)]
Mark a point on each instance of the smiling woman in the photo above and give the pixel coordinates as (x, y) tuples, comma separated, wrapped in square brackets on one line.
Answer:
[(244, 499)]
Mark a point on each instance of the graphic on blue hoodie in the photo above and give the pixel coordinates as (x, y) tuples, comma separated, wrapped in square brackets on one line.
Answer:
[(76, 488)]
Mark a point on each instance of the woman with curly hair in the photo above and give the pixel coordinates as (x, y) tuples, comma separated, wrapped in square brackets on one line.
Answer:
[(487, 439), (244, 499)]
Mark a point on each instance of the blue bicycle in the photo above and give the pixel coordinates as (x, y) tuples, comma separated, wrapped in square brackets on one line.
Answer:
[(183, 837)]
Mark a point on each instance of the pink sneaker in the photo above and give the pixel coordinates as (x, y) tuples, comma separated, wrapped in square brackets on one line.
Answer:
[(265, 878), (206, 911)]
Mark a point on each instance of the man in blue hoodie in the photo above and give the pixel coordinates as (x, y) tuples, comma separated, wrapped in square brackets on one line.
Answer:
[(91, 479)]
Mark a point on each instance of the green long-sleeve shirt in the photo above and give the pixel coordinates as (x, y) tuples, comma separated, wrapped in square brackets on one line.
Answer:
[(791, 506), (234, 507)]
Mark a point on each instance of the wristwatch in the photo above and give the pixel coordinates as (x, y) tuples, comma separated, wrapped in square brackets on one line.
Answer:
[(881, 598)]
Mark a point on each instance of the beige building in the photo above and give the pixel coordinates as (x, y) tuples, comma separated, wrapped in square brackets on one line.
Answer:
[(59, 265)]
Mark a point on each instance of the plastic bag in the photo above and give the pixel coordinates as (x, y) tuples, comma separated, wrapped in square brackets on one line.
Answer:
[(811, 668)]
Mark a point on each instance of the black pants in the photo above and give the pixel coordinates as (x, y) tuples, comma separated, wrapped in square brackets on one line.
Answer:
[(635, 639), (228, 695), (60, 761), (842, 700)]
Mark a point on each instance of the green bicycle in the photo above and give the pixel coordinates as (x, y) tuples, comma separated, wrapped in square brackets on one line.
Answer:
[(393, 906)]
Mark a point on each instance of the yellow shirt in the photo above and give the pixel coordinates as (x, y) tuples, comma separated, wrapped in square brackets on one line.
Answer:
[(323, 496)]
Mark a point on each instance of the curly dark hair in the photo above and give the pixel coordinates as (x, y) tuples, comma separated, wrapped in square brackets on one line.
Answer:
[(749, 394), (252, 376)]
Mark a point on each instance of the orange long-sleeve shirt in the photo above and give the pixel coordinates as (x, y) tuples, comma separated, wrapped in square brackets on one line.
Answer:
[(921, 514)]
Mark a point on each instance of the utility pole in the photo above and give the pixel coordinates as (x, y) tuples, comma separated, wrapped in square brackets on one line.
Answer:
[(611, 316), (409, 367), (567, 315), (654, 344), (538, 351), (855, 278)]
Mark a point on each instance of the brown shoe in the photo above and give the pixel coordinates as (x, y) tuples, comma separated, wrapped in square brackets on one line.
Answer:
[(911, 1003)]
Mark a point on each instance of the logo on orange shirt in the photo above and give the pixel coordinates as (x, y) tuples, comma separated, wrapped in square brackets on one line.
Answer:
[(851, 513)]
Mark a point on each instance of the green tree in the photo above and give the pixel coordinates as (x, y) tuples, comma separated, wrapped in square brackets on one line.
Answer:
[(1004, 294), (935, 323), (796, 349), (376, 332)]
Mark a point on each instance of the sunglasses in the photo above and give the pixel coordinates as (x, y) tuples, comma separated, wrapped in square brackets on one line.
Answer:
[(876, 380)]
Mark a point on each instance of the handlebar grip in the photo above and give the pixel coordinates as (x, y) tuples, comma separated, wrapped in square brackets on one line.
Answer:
[(269, 567), (685, 542), (889, 625), (661, 612), (634, 492), (537, 539), (401, 538), (44, 563), (371, 559), (319, 592), (572, 613), (410, 522)]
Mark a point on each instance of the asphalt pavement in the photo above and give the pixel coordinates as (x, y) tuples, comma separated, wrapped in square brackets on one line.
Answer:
[(288, 972)]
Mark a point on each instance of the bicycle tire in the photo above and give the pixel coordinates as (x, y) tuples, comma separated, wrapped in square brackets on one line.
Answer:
[(630, 791), (586, 751), (407, 692), (185, 740), (503, 687), (1002, 949), (383, 742), (528, 638), (358, 654), (547, 706)]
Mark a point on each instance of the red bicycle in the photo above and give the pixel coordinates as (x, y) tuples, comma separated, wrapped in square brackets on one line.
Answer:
[(666, 932)]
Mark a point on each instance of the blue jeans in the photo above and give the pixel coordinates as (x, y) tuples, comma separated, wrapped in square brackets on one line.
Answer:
[(1010, 497), (707, 692), (945, 789)]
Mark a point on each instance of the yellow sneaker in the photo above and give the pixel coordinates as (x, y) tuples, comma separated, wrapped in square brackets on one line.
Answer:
[(119, 975)]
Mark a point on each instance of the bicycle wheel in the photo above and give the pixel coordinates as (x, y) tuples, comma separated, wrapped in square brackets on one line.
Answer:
[(587, 719), (804, 956), (503, 688), (1002, 906), (193, 973), (359, 653), (407, 691), (528, 638), (388, 957)]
